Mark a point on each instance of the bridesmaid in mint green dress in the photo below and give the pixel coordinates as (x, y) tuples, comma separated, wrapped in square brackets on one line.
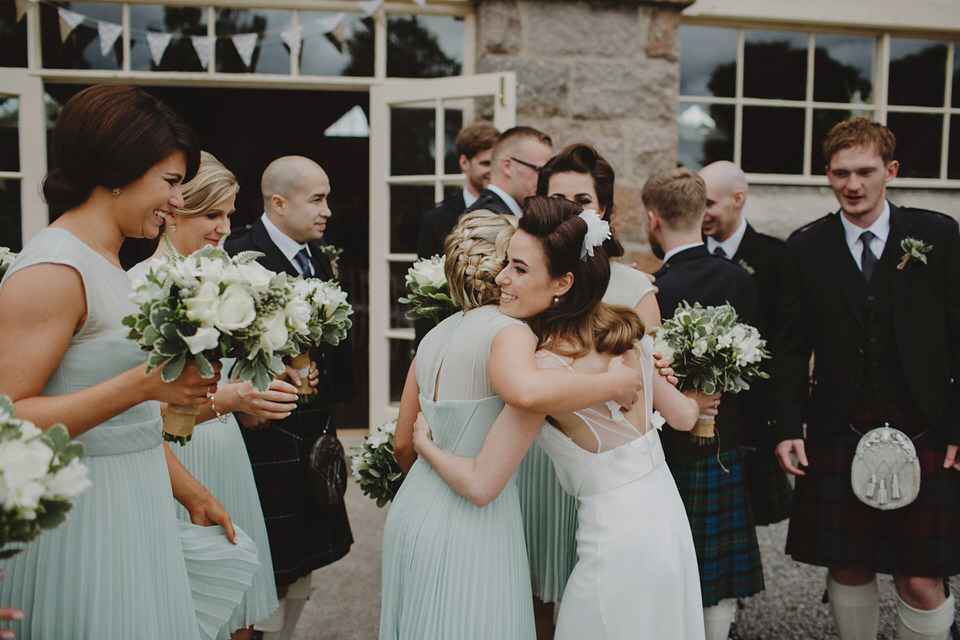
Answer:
[(454, 568), (122, 566)]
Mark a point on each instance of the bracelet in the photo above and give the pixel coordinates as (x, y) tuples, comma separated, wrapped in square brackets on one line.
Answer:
[(213, 405)]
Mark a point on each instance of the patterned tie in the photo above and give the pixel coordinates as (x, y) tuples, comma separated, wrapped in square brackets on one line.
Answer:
[(868, 261), (303, 261), (718, 251)]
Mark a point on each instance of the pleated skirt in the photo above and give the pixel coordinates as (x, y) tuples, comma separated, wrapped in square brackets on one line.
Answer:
[(116, 569), (217, 457), (549, 525), (452, 569)]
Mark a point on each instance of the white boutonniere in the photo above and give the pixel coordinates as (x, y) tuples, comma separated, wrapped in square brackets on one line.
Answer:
[(332, 254), (914, 249), (746, 267)]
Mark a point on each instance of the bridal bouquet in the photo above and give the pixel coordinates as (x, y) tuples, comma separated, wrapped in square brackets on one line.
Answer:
[(6, 259), (711, 351), (204, 307), (40, 478), (429, 291), (316, 311), (375, 467)]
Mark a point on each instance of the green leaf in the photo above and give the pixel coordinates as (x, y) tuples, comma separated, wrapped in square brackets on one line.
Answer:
[(204, 368), (173, 368)]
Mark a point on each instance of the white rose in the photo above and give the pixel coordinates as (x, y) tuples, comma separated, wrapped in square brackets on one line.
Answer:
[(700, 347), (69, 482), (428, 271), (235, 308), (27, 460), (274, 333), (205, 338), (664, 349), (256, 275), (298, 313), (18, 493), (212, 270), (203, 305)]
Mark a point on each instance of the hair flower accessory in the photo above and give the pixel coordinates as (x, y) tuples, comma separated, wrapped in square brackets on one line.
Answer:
[(598, 230), (914, 249)]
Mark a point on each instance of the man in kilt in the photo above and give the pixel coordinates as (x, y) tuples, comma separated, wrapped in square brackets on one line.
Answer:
[(882, 322), (709, 476)]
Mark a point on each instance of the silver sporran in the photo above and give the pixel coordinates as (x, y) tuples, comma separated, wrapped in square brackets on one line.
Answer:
[(885, 473)]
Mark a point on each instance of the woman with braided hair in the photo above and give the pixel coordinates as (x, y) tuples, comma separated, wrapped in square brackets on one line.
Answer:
[(453, 568)]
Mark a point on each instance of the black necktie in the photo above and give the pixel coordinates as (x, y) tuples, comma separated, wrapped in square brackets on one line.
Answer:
[(868, 261), (303, 261), (718, 251)]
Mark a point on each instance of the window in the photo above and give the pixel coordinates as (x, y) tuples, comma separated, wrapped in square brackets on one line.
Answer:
[(766, 98)]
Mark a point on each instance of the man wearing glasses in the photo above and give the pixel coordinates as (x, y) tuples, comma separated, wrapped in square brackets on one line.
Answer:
[(518, 155)]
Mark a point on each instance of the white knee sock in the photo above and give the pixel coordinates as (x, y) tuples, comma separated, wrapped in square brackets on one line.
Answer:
[(915, 624), (718, 618), (294, 607), (281, 625), (855, 610)]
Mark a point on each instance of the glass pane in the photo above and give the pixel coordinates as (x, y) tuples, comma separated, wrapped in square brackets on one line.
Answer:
[(81, 50), (407, 204), (843, 68), (772, 140), (270, 55), (705, 134), (919, 137), (398, 289), (412, 141), (9, 133), (179, 21), (953, 153), (708, 60), (324, 55), (424, 46), (10, 215), (13, 37), (823, 121), (452, 123), (775, 65), (401, 355), (956, 75), (917, 72)]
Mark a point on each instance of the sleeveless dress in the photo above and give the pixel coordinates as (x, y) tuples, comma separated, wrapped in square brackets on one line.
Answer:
[(122, 566), (452, 569), (636, 573), (549, 512), (217, 457)]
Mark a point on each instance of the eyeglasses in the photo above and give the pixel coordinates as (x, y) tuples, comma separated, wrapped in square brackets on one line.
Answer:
[(535, 167)]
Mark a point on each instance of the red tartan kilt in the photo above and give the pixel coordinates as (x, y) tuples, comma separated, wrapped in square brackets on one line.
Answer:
[(830, 527)]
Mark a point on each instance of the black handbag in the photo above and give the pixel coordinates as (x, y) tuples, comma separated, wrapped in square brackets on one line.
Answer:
[(328, 468)]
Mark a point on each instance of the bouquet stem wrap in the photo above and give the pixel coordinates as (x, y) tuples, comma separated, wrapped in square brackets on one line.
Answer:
[(178, 422), (703, 431), (301, 362)]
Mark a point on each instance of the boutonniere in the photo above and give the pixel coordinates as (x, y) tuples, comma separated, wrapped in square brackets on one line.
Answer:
[(914, 249), (332, 254), (746, 267)]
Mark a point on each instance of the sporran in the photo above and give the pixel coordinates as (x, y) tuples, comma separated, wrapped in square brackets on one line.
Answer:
[(885, 473)]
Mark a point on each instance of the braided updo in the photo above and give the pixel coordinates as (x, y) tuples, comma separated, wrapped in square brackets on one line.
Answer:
[(476, 250)]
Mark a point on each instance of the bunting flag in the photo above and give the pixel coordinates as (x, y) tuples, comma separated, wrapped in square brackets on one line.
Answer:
[(245, 43), (158, 43), (203, 45), (109, 33), (292, 36), (69, 20), (369, 7), (422, 3), (22, 6), (333, 27)]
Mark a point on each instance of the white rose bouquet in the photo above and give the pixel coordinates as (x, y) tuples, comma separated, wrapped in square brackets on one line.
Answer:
[(316, 311), (375, 467), (40, 478), (429, 291), (6, 259), (711, 351), (204, 307)]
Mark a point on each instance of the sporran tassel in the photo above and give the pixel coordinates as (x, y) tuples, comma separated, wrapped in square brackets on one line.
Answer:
[(895, 488), (882, 496), (871, 486)]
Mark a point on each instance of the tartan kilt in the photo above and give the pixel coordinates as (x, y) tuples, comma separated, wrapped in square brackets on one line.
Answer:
[(722, 524), (830, 527), (769, 492)]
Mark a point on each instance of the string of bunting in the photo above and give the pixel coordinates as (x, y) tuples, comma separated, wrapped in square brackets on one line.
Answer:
[(244, 43)]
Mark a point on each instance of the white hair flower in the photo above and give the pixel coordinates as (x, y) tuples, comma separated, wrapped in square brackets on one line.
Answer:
[(598, 230)]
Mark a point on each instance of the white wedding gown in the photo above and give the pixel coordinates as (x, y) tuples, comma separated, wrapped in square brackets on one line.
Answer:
[(636, 573)]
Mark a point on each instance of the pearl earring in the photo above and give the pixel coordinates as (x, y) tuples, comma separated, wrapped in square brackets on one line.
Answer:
[(116, 191), (173, 227), (556, 299)]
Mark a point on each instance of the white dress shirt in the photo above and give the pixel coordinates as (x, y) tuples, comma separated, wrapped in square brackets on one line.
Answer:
[(731, 245), (880, 229), (514, 207), (287, 245)]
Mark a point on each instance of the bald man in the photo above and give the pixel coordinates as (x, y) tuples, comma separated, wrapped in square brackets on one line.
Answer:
[(729, 235), (304, 534), (517, 158)]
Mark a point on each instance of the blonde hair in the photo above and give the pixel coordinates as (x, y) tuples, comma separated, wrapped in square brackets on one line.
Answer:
[(213, 184), (476, 250)]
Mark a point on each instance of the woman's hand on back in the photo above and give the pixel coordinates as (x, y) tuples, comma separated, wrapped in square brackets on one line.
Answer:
[(628, 383)]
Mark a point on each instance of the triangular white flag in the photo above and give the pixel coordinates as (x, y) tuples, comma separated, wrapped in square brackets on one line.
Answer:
[(245, 44), (330, 23), (422, 3), (109, 33), (158, 43), (69, 20), (22, 6), (369, 7), (203, 45), (292, 36)]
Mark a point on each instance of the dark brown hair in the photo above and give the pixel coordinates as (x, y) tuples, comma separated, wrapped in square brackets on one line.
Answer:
[(679, 196), (580, 317), (476, 137), (582, 158), (109, 136), (860, 132)]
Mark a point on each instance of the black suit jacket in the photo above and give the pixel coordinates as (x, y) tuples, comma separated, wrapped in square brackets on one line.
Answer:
[(820, 314), (695, 275), (491, 201), (436, 224)]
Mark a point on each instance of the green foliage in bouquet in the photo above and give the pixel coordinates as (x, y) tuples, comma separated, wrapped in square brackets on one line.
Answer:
[(40, 478), (317, 312), (375, 467), (429, 291), (6, 259)]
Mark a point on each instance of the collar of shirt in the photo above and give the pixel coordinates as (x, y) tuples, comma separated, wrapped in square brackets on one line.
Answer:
[(731, 245), (514, 207), (287, 245), (468, 198), (676, 250), (880, 229)]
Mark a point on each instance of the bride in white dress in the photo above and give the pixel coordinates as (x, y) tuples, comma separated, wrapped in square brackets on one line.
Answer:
[(636, 572)]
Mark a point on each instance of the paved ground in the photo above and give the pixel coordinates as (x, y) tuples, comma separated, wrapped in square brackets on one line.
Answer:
[(345, 604)]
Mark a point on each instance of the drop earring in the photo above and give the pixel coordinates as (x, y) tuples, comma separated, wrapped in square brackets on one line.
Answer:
[(556, 299), (116, 191)]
